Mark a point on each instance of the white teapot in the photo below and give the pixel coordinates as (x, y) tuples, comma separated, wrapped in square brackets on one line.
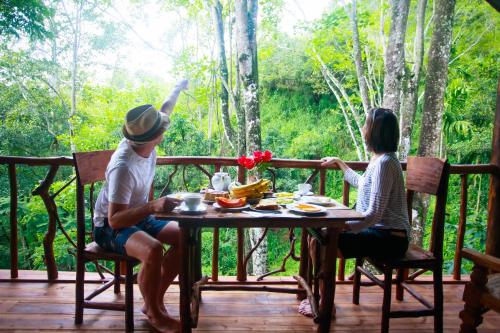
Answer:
[(221, 181)]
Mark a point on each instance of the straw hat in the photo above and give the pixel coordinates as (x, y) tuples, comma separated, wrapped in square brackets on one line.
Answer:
[(144, 123)]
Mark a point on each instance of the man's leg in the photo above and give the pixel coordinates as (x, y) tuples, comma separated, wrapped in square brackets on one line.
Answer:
[(150, 252), (171, 262)]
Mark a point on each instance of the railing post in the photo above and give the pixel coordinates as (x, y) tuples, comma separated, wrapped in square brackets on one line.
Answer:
[(215, 246), (461, 228), (241, 269), (13, 222), (322, 181)]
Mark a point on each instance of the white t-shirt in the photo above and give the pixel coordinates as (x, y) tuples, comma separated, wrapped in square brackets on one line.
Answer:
[(128, 181)]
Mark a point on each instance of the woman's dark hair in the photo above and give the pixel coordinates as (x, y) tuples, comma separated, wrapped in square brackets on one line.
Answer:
[(381, 131)]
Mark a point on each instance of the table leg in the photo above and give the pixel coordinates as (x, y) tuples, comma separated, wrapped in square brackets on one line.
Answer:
[(185, 282), (327, 284), (304, 263)]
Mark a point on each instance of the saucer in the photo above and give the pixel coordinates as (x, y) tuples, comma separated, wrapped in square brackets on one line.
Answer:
[(200, 209)]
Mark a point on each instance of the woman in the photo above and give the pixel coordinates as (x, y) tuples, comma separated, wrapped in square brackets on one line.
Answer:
[(385, 230)]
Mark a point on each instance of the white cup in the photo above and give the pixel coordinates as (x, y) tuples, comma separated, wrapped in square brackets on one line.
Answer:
[(192, 200), (304, 188)]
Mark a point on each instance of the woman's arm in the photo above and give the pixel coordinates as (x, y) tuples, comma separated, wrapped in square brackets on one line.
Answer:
[(350, 175), (380, 192)]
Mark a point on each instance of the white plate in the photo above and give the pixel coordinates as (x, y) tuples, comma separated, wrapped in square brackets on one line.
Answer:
[(300, 195), (318, 200), (226, 209), (202, 208), (294, 208)]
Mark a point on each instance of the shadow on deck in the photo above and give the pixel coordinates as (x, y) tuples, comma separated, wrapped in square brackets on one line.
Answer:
[(34, 307)]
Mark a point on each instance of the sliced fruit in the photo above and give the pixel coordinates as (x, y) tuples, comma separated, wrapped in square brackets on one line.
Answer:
[(231, 203)]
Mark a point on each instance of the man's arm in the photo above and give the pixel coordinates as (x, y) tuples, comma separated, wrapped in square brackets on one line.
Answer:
[(168, 106), (120, 216)]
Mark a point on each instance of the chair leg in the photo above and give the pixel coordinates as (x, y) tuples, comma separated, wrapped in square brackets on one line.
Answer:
[(117, 277), (129, 298), (356, 283), (438, 300), (79, 290), (386, 306), (400, 275)]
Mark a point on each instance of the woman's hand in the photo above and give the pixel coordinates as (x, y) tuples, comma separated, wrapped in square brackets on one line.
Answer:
[(332, 161)]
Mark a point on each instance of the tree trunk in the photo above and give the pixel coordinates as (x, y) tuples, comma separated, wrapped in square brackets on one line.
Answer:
[(344, 94), (248, 73), (410, 101), (395, 56), (246, 22), (224, 93), (360, 71), (437, 76), (435, 87), (344, 112), (74, 71)]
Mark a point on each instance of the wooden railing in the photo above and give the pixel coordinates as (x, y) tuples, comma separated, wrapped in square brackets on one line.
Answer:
[(200, 163)]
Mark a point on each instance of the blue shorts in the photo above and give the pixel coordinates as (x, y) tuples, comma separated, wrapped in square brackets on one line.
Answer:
[(114, 239)]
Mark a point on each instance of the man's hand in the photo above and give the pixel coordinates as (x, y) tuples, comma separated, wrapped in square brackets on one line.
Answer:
[(164, 205), (182, 84)]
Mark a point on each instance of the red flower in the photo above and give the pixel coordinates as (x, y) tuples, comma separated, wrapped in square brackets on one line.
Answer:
[(267, 156), (241, 160), (249, 163), (258, 156)]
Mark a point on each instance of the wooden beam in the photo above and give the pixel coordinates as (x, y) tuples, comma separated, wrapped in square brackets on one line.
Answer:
[(493, 233)]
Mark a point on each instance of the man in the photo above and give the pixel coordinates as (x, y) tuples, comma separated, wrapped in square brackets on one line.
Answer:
[(124, 220)]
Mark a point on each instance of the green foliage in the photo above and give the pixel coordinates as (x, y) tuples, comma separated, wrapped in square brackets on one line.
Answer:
[(24, 17)]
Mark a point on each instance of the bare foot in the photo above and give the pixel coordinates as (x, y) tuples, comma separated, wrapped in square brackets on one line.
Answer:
[(163, 309), (164, 324)]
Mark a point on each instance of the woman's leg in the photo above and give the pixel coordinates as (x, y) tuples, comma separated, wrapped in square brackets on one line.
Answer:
[(150, 252)]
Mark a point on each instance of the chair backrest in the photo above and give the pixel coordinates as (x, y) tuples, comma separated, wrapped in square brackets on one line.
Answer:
[(90, 168), (429, 175)]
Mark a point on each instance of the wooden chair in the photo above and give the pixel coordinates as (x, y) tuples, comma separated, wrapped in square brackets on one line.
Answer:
[(424, 175), (482, 293), (90, 168)]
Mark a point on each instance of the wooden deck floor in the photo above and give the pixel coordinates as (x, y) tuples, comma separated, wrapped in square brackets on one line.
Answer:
[(34, 307)]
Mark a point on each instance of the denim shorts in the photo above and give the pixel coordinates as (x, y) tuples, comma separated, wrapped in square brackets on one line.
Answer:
[(114, 239)]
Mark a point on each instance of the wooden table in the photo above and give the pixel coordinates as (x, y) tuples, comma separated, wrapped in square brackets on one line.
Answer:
[(333, 221)]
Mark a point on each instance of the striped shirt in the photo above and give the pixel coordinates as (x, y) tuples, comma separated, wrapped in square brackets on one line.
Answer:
[(381, 195)]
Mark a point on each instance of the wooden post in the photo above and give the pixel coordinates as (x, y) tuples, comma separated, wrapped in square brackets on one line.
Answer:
[(185, 282), (215, 255), (241, 269), (13, 222), (461, 228), (493, 233), (322, 181), (345, 202)]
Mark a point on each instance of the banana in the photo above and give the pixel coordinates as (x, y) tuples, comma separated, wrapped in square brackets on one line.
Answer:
[(251, 191)]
